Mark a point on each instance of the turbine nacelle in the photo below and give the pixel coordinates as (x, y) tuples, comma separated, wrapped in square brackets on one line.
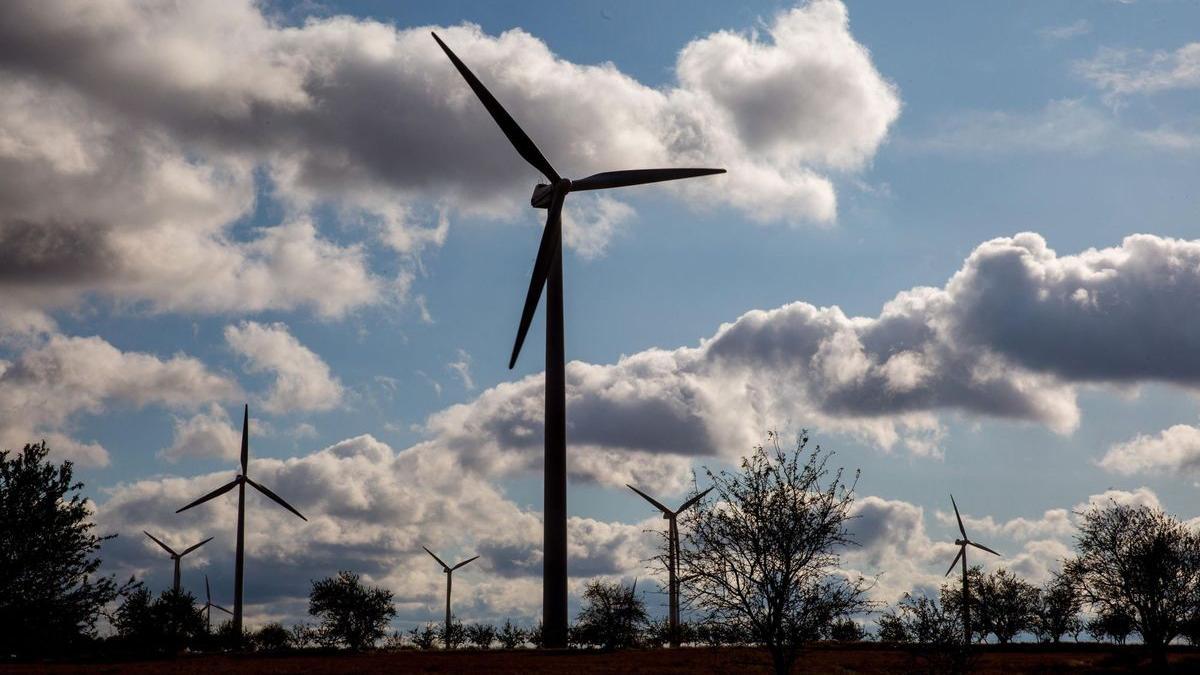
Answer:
[(543, 193)]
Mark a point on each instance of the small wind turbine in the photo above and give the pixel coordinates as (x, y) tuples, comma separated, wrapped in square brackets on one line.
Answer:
[(240, 483), (209, 606), (672, 556), (176, 556), (449, 571), (962, 545), (548, 273)]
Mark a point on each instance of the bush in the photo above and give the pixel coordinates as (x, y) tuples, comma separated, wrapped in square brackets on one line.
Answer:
[(303, 636), (351, 614), (168, 623), (423, 638), (272, 637), (612, 617), (481, 635), (846, 629), (452, 636), (511, 636)]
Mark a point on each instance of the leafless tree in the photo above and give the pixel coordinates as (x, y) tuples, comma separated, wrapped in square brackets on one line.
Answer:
[(762, 556), (1140, 561)]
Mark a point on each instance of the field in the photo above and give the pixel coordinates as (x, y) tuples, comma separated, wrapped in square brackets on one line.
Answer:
[(818, 659)]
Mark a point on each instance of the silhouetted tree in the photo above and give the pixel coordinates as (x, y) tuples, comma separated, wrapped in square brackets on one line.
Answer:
[(762, 557), (891, 628), (951, 600), (511, 635), (351, 613), (50, 596), (612, 616), (303, 636), (1142, 562), (169, 623), (1191, 628), (1114, 626), (845, 629), (423, 638), (1058, 610), (1007, 605), (452, 636), (481, 635), (931, 629), (272, 637)]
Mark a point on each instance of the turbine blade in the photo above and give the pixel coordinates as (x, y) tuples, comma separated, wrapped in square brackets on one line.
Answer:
[(245, 437), (207, 592), (215, 493), (156, 540), (444, 565), (519, 139), (614, 179), (277, 498), (650, 499), (550, 247), (463, 563), (223, 609), (961, 549), (689, 503), (981, 546), (960, 525), (193, 548)]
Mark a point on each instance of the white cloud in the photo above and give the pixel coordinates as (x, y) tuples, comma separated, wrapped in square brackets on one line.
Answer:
[(1123, 72), (51, 383), (462, 368), (133, 134), (302, 380), (1067, 31), (206, 434), (1173, 450)]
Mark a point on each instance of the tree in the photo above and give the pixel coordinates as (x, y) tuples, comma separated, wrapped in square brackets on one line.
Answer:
[(951, 599), (351, 614), (1007, 605), (452, 635), (1140, 561), (1115, 626), (1058, 610), (303, 636), (481, 635), (845, 629), (932, 629), (612, 616), (510, 635), (50, 596), (763, 556), (423, 638), (892, 629), (168, 623), (272, 637)]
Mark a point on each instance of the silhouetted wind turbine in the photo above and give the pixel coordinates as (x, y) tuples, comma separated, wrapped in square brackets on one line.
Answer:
[(209, 605), (672, 556), (547, 271), (962, 553), (176, 556), (449, 583), (240, 483)]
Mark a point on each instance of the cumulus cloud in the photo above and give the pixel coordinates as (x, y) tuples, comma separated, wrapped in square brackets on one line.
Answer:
[(1013, 334), (206, 434), (135, 135), (1173, 450), (302, 380), (1123, 72), (1066, 31), (51, 383), (370, 508), (462, 368)]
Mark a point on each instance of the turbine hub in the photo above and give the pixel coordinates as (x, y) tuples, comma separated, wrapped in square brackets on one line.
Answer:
[(543, 193), (960, 542)]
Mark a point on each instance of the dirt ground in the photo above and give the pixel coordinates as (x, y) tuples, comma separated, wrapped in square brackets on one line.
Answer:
[(818, 659)]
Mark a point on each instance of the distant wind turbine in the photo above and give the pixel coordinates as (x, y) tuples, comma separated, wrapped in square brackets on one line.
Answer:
[(209, 606), (176, 556), (672, 556), (240, 483), (548, 273), (962, 545), (449, 571)]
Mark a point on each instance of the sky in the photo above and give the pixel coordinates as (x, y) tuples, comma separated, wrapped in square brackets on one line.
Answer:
[(956, 242)]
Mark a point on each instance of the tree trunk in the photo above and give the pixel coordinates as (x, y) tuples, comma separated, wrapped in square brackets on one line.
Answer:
[(781, 660)]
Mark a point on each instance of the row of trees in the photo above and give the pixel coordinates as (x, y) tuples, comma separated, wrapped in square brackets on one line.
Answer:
[(760, 561)]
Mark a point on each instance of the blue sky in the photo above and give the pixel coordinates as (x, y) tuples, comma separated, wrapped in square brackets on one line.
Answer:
[(952, 125)]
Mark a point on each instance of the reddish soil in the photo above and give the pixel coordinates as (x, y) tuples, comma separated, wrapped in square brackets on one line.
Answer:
[(818, 659)]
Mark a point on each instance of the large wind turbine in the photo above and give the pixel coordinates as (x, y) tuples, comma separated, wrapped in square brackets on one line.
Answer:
[(209, 606), (547, 271), (240, 483), (672, 556), (962, 553), (449, 571), (177, 556)]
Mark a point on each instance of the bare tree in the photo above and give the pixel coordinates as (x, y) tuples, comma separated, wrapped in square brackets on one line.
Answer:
[(1139, 561), (762, 557), (1058, 609)]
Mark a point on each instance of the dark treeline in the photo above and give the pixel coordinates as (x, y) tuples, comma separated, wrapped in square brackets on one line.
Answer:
[(759, 566)]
